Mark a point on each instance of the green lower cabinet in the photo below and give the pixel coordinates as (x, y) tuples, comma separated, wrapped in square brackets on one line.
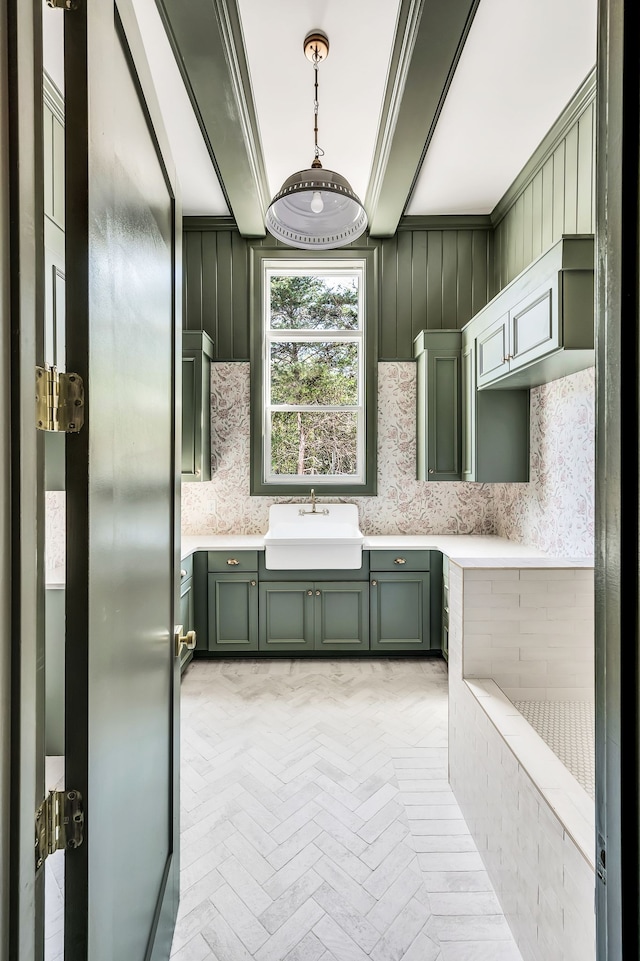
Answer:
[(187, 618), (287, 616), (400, 612), (305, 617), (233, 612), (342, 616)]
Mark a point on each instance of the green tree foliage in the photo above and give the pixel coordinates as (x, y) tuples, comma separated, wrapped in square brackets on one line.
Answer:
[(315, 374)]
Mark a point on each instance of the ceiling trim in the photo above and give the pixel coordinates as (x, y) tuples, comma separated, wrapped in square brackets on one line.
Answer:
[(427, 46), (209, 223), (206, 37), (446, 222), (584, 95)]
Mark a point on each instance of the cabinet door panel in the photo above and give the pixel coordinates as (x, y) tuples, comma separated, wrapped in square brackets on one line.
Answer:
[(286, 616), (233, 612), (534, 326), (468, 412), (493, 351), (342, 616), (400, 612), (186, 617)]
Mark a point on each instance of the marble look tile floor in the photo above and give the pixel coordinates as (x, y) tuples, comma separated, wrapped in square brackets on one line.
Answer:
[(317, 819)]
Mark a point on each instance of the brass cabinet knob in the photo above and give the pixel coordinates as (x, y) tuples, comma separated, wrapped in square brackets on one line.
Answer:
[(373, 583), (253, 583), (432, 470), (400, 560), (233, 562), (183, 573), (310, 593), (317, 593), (197, 473)]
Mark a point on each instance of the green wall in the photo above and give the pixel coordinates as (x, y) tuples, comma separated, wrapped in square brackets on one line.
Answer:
[(430, 276), (436, 272)]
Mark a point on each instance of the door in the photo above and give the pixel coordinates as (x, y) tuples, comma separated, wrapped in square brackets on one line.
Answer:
[(233, 613), (400, 612), (286, 616), (468, 413), (493, 351), (122, 675), (342, 616)]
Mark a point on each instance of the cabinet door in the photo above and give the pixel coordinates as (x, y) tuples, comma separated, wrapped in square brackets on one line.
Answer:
[(197, 352), (342, 616), (186, 618), (468, 412), (400, 612), (233, 612), (438, 405), (287, 616), (492, 347), (533, 326)]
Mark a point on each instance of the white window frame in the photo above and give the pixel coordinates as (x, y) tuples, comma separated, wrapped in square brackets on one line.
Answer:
[(327, 268)]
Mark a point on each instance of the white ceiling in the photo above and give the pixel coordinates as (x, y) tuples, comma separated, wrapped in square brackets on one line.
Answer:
[(522, 62)]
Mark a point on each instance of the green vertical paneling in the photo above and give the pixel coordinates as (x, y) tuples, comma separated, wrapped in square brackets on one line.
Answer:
[(403, 299), (434, 279), (558, 192), (518, 236), (209, 286), (547, 204), (584, 221), (536, 216), (194, 266), (464, 277), (225, 295), (388, 346), (419, 282), (480, 293), (449, 278), (527, 226), (571, 181), (239, 304)]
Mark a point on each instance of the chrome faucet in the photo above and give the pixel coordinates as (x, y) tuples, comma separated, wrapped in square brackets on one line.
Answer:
[(313, 510)]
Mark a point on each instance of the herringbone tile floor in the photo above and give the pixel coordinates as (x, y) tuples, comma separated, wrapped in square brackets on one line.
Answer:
[(317, 819)]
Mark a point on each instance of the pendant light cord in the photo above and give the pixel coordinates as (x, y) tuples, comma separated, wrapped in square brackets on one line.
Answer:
[(318, 152)]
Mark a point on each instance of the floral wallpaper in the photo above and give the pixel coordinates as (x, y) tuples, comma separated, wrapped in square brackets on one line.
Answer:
[(555, 511), (403, 505)]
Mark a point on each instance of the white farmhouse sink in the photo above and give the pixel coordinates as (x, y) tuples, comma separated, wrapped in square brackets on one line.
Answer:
[(327, 539)]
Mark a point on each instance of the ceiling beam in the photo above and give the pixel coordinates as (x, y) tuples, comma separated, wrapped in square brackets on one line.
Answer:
[(428, 43), (206, 36)]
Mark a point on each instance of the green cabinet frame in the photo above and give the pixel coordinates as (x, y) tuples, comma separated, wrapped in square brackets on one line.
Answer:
[(438, 415), (232, 612), (187, 617), (197, 354), (313, 616)]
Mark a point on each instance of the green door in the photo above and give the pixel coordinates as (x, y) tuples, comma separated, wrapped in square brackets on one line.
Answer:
[(122, 675), (400, 612), (233, 612), (341, 616), (287, 613)]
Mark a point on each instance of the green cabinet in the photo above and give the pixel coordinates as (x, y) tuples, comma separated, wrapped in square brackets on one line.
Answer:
[(197, 353), (438, 413), (313, 616), (495, 428), (463, 433), (540, 326), (400, 611), (233, 612), (445, 608), (187, 609)]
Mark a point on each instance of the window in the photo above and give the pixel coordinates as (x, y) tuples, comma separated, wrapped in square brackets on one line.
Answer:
[(313, 375)]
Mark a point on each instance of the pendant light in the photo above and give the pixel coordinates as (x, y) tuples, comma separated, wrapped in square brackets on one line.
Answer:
[(316, 209)]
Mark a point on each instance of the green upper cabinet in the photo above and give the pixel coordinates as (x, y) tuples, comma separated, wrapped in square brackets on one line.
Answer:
[(495, 427), (541, 326), (197, 353), (438, 414)]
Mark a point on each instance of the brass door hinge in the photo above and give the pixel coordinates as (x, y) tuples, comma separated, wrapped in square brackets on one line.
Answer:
[(59, 400), (59, 824)]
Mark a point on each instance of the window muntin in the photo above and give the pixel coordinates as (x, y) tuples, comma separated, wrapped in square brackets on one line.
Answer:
[(314, 373)]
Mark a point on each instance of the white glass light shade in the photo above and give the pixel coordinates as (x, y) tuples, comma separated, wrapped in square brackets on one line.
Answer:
[(291, 217)]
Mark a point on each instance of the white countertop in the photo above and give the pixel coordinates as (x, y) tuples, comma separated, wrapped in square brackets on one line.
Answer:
[(466, 550)]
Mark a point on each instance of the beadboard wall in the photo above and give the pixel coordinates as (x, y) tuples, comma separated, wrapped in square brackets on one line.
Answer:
[(554, 512)]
